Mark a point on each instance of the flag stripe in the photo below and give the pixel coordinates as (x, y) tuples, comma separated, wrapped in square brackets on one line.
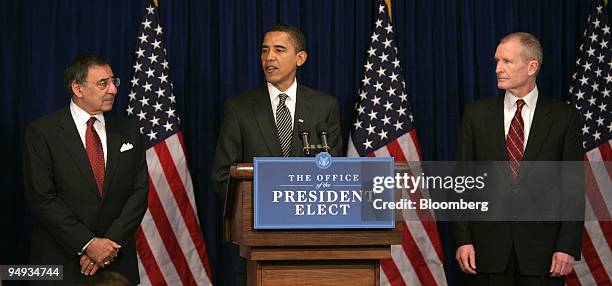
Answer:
[(185, 208), (596, 199), (180, 164), (572, 279), (606, 151), (416, 258), (156, 244), (403, 265), (391, 272), (606, 228), (431, 229), (170, 241), (424, 243), (146, 261), (383, 277), (597, 179), (396, 151), (172, 199), (426, 220), (599, 241), (425, 216), (144, 279), (592, 236), (417, 147), (581, 275), (593, 261), (602, 153), (425, 248), (410, 148), (382, 152)]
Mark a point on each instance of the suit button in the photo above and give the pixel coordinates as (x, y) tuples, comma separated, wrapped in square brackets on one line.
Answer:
[(515, 191)]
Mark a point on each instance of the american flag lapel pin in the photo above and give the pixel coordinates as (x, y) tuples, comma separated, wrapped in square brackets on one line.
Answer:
[(300, 120)]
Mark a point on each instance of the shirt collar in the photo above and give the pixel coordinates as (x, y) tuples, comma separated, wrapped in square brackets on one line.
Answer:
[(81, 116), (530, 99), (291, 92)]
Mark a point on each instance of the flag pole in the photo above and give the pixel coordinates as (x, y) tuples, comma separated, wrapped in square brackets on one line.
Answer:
[(388, 3)]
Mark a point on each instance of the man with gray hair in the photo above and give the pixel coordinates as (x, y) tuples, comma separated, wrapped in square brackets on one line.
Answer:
[(519, 125)]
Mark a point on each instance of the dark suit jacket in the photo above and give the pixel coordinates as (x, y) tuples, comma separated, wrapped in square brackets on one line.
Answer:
[(64, 199), (249, 129), (554, 136)]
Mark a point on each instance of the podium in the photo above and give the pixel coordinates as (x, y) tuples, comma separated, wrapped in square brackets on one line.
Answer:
[(305, 256)]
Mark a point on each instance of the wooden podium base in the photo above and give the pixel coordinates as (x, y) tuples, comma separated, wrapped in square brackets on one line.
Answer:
[(302, 256), (315, 272), (320, 266)]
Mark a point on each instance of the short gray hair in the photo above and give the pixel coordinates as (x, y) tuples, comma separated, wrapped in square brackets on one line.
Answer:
[(532, 47)]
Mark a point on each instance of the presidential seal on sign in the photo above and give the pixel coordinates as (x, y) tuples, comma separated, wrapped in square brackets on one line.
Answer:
[(323, 160)]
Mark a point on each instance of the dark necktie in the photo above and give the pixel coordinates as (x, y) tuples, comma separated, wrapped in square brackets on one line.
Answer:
[(283, 125), (516, 139), (95, 153)]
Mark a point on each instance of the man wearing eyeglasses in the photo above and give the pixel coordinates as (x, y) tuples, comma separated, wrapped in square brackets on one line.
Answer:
[(86, 179)]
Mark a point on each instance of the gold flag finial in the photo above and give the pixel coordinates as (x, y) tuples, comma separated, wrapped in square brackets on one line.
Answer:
[(388, 3)]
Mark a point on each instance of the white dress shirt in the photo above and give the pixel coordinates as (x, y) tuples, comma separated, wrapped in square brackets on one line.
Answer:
[(81, 117), (291, 93), (527, 113)]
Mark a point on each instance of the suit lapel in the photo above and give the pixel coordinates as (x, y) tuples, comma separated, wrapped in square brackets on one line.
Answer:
[(494, 123), (265, 120), (302, 112), (537, 134), (74, 145), (113, 141)]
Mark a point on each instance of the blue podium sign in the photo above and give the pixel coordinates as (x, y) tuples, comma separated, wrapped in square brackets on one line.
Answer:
[(320, 193)]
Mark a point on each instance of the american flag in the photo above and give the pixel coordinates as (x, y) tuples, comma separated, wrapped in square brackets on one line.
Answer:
[(170, 246), (589, 91), (385, 127)]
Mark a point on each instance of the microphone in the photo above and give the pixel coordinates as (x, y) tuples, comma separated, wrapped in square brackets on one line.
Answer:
[(304, 135), (322, 131)]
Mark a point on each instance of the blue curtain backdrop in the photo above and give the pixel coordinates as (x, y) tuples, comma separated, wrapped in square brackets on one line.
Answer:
[(446, 50)]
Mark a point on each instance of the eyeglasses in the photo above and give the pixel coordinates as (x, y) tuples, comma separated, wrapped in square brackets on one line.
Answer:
[(103, 84)]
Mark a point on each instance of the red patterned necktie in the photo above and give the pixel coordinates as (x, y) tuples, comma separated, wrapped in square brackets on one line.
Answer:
[(515, 140), (95, 153)]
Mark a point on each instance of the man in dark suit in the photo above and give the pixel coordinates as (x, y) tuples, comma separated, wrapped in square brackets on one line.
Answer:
[(265, 121), (86, 179), (519, 126)]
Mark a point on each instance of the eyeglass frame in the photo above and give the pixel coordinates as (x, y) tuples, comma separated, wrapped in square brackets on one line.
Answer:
[(114, 80)]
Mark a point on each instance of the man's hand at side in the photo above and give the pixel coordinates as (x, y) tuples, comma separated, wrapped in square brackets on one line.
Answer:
[(562, 264), (466, 258)]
